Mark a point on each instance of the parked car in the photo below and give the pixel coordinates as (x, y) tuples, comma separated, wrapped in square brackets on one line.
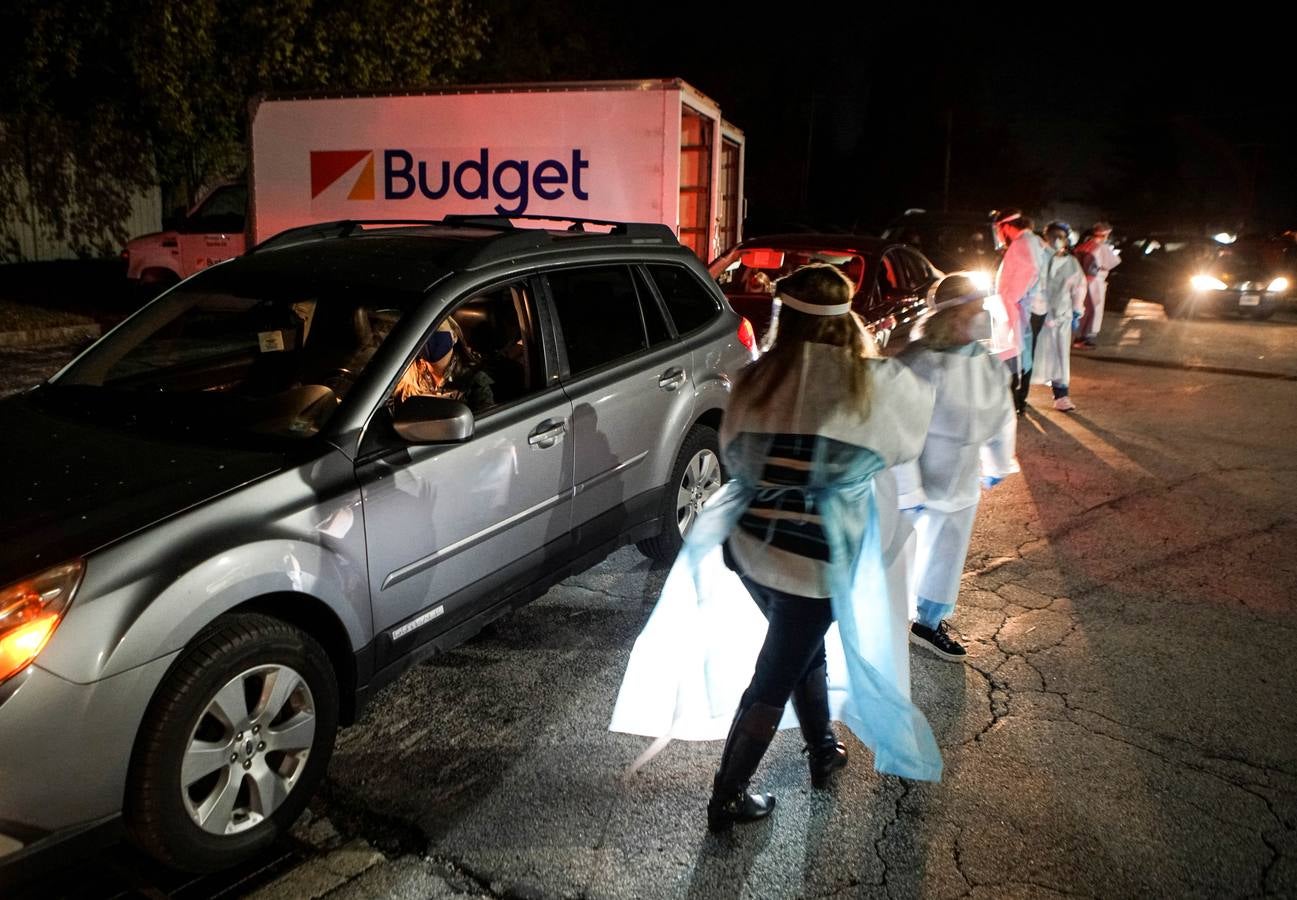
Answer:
[(953, 241), (1190, 274), (261, 497), (891, 280)]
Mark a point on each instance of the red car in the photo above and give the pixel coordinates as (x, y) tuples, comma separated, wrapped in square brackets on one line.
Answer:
[(891, 279)]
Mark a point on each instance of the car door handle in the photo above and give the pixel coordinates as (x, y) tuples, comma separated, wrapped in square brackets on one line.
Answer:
[(547, 434), (671, 379)]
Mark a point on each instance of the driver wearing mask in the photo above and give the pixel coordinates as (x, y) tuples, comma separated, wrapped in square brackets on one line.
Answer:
[(445, 367)]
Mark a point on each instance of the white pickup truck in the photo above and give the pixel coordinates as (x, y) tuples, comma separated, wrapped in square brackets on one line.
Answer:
[(213, 230)]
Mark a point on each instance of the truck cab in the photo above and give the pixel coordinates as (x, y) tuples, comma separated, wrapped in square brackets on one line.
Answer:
[(211, 232)]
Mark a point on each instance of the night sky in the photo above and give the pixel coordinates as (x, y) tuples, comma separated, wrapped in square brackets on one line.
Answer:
[(1183, 120)]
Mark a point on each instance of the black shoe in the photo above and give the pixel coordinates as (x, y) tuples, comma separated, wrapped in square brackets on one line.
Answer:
[(824, 761), (937, 641), (811, 703), (723, 812), (750, 735)]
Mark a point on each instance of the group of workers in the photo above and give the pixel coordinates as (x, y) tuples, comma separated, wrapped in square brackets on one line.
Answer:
[(840, 540), (1054, 297)]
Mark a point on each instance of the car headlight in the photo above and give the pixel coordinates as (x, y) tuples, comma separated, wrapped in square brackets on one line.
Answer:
[(30, 610), (1278, 286), (981, 280), (1206, 283)]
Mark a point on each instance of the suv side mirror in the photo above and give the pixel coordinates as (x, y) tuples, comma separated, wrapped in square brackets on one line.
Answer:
[(432, 420)]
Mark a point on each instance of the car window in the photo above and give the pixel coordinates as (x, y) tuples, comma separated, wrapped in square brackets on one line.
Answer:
[(917, 273), (891, 277), (233, 354), (690, 303), (224, 211), (599, 315), (655, 323), (749, 271), (485, 353)]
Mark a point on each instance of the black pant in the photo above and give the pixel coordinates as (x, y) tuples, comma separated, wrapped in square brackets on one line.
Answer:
[(1021, 382), (794, 643)]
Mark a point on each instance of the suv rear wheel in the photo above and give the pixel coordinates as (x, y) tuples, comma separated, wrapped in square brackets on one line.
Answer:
[(234, 743), (695, 477)]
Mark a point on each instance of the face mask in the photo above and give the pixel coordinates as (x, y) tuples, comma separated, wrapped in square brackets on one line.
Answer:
[(979, 327)]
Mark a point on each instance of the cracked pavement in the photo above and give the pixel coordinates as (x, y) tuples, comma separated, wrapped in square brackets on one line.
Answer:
[(1124, 725)]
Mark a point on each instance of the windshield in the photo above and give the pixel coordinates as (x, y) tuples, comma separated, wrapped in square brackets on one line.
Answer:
[(751, 270), (225, 210), (967, 243), (1253, 257), (223, 353)]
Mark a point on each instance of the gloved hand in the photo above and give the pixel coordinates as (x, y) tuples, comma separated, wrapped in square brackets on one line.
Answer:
[(1076, 321), (990, 481)]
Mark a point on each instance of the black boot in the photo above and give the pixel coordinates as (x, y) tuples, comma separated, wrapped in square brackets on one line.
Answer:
[(750, 735), (811, 702)]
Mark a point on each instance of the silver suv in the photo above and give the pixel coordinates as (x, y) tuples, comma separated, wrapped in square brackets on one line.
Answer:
[(277, 486)]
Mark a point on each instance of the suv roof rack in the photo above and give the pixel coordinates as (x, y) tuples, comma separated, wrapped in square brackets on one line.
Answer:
[(511, 235), (339, 228), (505, 222)]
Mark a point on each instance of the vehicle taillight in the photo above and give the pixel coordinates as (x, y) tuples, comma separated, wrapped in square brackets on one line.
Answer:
[(747, 337)]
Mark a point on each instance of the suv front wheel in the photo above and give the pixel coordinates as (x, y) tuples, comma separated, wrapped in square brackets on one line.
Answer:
[(234, 743), (695, 477)]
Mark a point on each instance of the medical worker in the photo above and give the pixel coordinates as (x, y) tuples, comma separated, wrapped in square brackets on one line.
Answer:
[(970, 443)]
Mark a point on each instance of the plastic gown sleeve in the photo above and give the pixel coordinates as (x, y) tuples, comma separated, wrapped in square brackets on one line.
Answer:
[(909, 485), (999, 454), (697, 653)]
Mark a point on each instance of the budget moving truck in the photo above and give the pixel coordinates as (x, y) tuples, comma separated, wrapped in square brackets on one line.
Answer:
[(633, 151)]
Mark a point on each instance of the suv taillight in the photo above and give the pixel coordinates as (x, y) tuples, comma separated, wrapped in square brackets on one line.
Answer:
[(747, 337)]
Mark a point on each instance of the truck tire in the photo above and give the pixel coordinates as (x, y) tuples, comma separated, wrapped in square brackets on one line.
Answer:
[(236, 739), (1116, 302), (696, 475)]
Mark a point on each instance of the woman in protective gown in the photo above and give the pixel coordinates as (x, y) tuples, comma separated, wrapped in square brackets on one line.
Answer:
[(808, 528)]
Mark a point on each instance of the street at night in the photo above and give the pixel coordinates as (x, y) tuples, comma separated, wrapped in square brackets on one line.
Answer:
[(568, 451), (1122, 728)]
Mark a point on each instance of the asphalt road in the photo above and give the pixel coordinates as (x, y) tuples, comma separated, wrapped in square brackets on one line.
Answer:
[(1124, 726)]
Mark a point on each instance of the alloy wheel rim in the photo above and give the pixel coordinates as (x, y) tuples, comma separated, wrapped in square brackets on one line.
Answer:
[(248, 749), (702, 479)]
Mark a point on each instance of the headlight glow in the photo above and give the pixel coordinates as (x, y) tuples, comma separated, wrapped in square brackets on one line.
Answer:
[(1278, 286), (30, 610), (1224, 238), (1206, 283), (981, 280)]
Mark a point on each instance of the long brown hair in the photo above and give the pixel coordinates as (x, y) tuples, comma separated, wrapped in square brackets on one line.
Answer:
[(823, 285)]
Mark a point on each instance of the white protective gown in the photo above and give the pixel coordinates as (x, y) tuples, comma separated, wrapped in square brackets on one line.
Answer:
[(1064, 293), (1106, 258), (973, 433), (698, 651), (1017, 284)]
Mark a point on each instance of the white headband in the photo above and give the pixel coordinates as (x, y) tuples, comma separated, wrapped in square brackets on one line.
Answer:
[(814, 309), (959, 301), (1007, 219)]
